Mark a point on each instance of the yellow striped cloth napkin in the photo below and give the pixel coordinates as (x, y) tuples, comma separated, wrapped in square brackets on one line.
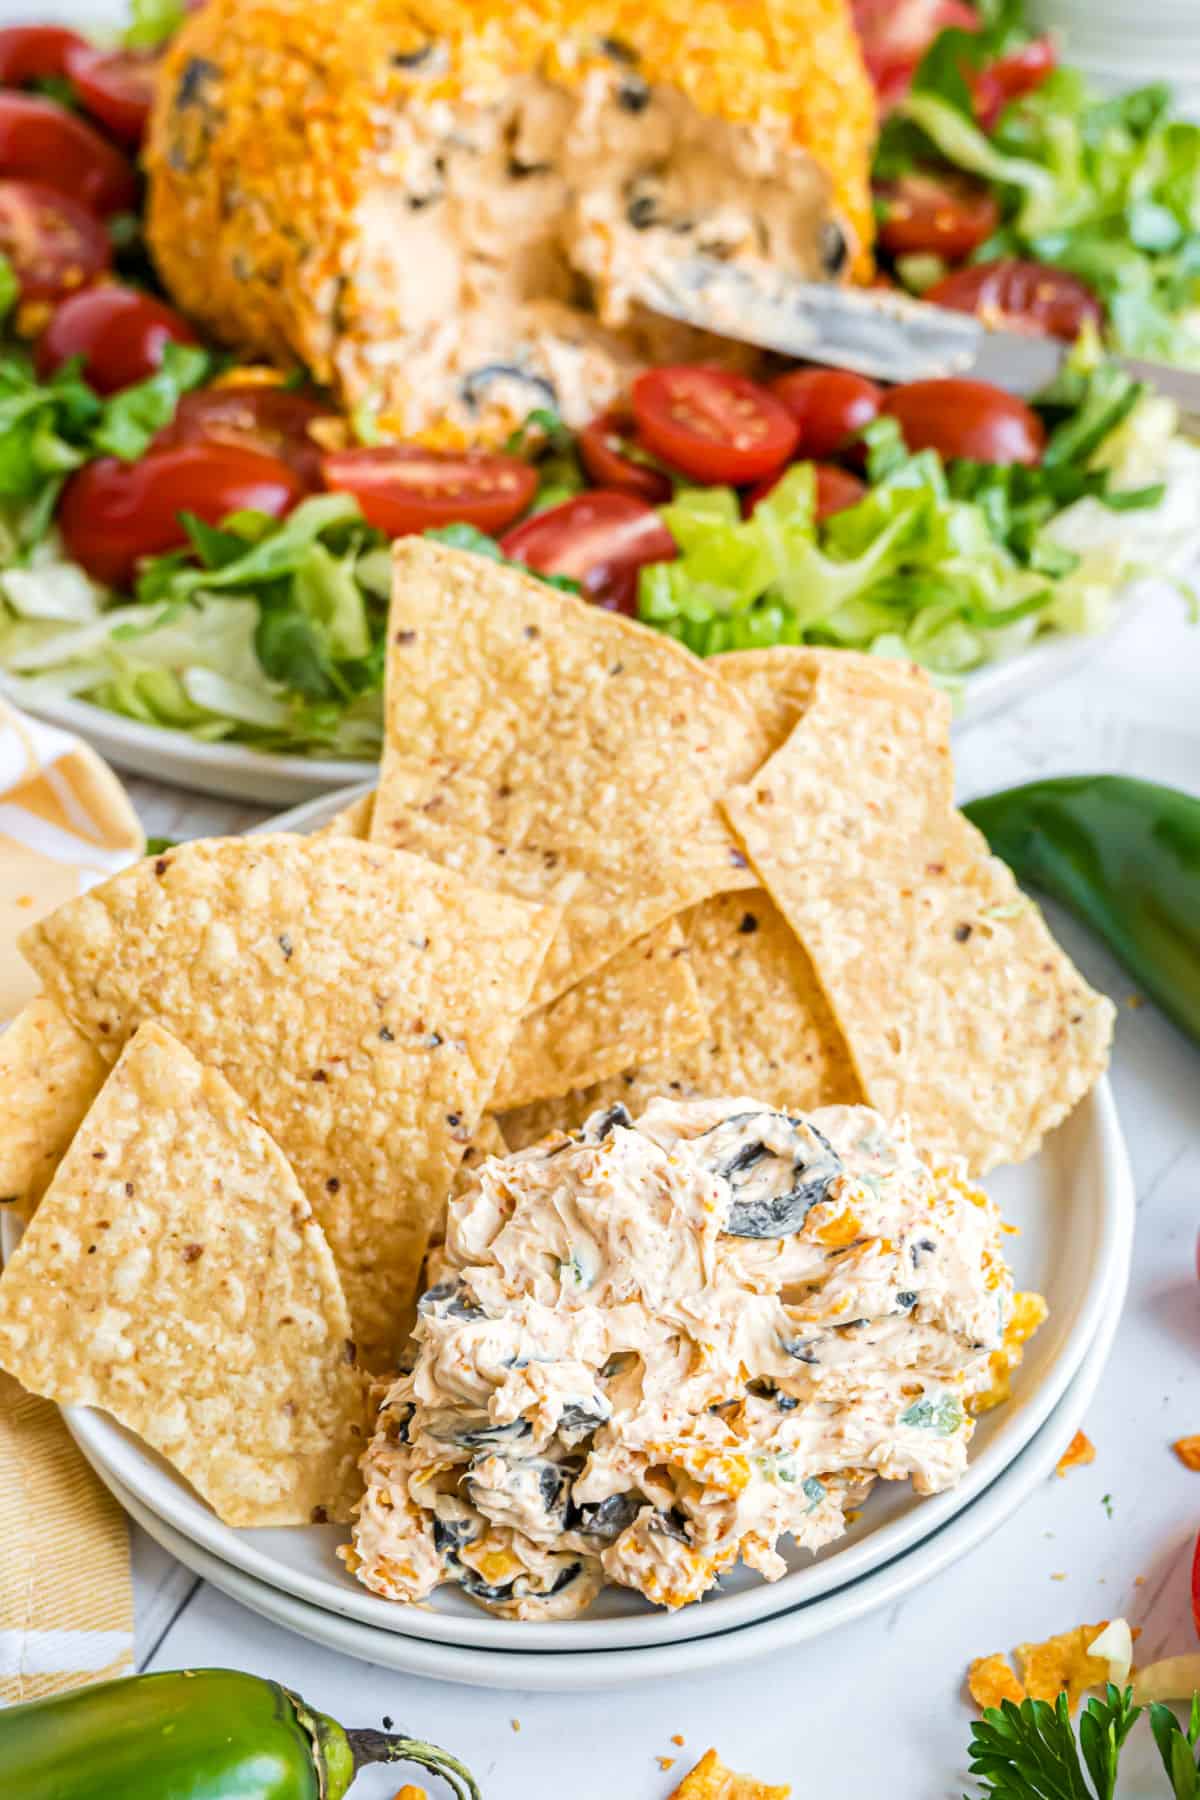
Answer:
[(66, 1597)]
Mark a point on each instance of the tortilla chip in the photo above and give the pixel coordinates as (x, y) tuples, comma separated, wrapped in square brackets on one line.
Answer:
[(1062, 1664), (959, 1009), (352, 820), (523, 720), (1187, 1449), (360, 1000), (1028, 1312), (711, 1780), (642, 1004), (49, 1076), (174, 1275), (990, 1679), (778, 681), (1078, 1453), (771, 1032)]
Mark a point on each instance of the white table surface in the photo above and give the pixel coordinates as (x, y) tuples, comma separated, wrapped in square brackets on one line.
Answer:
[(877, 1708)]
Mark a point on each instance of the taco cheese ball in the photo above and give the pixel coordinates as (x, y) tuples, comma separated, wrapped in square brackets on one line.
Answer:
[(440, 209), (655, 1347)]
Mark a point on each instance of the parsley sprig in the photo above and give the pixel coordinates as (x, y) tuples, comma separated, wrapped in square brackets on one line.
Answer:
[(1030, 1751)]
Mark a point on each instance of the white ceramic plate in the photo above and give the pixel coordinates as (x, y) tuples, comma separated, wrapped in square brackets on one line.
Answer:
[(580, 1672), (1073, 1206)]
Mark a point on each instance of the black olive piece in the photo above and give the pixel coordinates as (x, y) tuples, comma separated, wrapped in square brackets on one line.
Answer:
[(399, 1420), (633, 95), (605, 1519), (452, 1534), (597, 1128), (918, 1251), (800, 1349), (906, 1300), (669, 1524), (413, 59), (619, 51), (475, 385), (786, 1402), (579, 1422), (449, 1300), (642, 212), (520, 171), (808, 1168), (479, 1589), (478, 1437), (835, 251)]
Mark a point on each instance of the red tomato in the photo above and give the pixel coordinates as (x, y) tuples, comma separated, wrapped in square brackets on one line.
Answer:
[(1020, 296), (112, 513), (273, 420), (116, 87), (712, 425), (403, 488), (602, 456), (959, 417), (836, 490), (600, 540), (829, 405), (1020, 72), (52, 242), (119, 333), (41, 141), (895, 35), (943, 215), (33, 52)]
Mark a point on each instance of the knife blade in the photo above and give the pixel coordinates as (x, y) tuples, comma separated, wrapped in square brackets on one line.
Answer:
[(874, 331)]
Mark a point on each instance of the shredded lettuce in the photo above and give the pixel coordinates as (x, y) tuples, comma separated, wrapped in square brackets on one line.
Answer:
[(152, 22)]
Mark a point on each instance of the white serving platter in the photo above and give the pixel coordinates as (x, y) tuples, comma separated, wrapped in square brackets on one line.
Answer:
[(513, 1668)]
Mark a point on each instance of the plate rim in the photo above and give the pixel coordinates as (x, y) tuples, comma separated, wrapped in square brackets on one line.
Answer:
[(586, 1671)]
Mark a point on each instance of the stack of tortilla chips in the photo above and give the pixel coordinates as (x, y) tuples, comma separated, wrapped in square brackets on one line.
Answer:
[(595, 868)]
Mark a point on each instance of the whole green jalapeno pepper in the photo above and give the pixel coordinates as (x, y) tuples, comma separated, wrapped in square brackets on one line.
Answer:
[(195, 1734), (1124, 856)]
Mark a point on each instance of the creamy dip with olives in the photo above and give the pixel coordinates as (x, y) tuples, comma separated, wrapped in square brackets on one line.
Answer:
[(659, 1347)]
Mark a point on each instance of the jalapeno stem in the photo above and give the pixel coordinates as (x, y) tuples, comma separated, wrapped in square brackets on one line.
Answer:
[(368, 1746)]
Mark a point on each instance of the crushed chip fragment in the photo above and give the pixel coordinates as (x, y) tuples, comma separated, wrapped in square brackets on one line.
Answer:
[(1078, 1453), (1187, 1449), (711, 1780)]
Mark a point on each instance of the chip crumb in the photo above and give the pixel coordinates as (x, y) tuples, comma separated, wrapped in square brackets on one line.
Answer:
[(1139, 1581), (1059, 1575), (1187, 1449), (677, 1737), (1078, 1452), (515, 1723), (410, 1792), (711, 1780), (990, 1679), (667, 1762)]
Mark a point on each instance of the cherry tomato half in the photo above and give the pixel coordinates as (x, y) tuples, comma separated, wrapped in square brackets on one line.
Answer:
[(40, 141), (712, 425), (829, 405), (836, 490), (601, 453), (959, 417), (115, 86), (1020, 296), (272, 420), (943, 215), (600, 540), (113, 513), (895, 35), (403, 488), (34, 52), (119, 333), (1020, 72), (52, 243)]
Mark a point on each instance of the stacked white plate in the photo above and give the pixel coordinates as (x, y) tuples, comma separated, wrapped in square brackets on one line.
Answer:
[(1073, 1206)]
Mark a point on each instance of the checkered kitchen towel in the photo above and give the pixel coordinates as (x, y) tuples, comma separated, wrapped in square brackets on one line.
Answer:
[(66, 1598)]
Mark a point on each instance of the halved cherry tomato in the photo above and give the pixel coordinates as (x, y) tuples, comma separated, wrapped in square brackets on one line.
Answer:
[(1020, 72), (836, 490), (40, 141), (609, 467), (895, 35), (115, 86), (273, 420), (52, 243), (403, 488), (960, 417), (119, 333), (713, 425), (113, 513), (829, 405), (1020, 296), (945, 215), (600, 540), (34, 52)]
